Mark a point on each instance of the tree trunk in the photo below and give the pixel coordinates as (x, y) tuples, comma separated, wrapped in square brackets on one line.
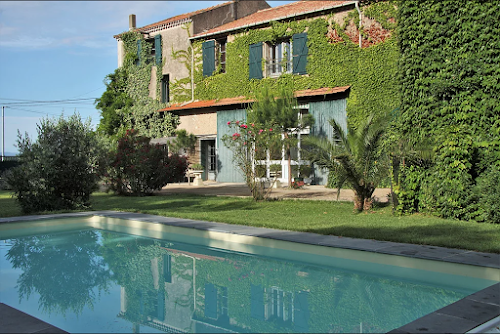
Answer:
[(358, 202), (368, 203)]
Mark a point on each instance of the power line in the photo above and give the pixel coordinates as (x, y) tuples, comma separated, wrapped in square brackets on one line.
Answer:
[(38, 112), (34, 102), (91, 91)]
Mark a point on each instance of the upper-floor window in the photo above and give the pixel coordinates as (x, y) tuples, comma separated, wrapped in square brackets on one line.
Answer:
[(279, 58), (286, 56), (155, 47), (214, 55), (221, 54)]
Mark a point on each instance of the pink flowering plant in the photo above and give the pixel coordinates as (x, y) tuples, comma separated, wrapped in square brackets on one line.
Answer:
[(139, 168), (248, 142)]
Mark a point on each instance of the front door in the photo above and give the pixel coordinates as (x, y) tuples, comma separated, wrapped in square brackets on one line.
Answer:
[(208, 159)]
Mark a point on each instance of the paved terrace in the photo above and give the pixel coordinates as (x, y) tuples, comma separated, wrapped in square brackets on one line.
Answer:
[(241, 190)]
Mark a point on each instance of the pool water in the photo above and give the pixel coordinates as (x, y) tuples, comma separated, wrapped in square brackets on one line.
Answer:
[(92, 280)]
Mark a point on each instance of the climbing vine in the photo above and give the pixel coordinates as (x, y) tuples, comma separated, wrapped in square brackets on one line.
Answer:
[(450, 82)]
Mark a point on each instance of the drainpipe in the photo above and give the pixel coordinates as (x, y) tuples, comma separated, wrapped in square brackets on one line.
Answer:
[(359, 29), (192, 71)]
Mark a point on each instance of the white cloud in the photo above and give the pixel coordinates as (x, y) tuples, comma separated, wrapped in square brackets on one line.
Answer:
[(88, 24)]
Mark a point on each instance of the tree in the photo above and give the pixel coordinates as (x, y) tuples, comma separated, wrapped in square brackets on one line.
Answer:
[(60, 170), (280, 112), (183, 142), (139, 168), (356, 158)]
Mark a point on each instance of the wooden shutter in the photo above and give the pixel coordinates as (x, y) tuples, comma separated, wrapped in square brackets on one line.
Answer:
[(255, 61), (138, 51), (208, 48), (299, 53), (158, 49)]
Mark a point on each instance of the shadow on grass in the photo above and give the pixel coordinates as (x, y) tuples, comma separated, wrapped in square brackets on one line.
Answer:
[(447, 234), (172, 203)]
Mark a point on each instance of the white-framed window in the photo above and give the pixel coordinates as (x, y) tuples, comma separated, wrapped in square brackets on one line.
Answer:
[(221, 54), (279, 58)]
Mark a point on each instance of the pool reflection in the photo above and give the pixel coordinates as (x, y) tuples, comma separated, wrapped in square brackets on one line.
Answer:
[(177, 287)]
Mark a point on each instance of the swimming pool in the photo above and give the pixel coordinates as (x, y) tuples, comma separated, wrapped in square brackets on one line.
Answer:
[(104, 274)]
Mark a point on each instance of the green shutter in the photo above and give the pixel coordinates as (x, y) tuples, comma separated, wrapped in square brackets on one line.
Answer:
[(255, 61), (208, 58), (158, 49), (299, 53), (138, 51)]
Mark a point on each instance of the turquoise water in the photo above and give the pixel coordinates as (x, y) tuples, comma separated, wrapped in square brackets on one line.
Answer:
[(99, 281)]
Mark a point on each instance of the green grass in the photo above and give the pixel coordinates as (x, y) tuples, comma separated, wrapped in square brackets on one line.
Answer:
[(323, 217)]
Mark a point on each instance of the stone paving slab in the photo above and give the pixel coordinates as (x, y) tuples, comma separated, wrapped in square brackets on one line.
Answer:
[(15, 321)]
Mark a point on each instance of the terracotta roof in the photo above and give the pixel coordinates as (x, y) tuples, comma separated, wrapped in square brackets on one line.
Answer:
[(178, 18), (275, 13), (243, 99)]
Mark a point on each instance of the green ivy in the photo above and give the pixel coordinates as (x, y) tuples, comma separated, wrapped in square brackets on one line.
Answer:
[(450, 82), (144, 115)]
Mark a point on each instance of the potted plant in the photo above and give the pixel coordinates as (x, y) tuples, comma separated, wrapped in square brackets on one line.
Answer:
[(197, 167)]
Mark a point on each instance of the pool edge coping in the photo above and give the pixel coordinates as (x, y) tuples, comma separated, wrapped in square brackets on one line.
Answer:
[(460, 317)]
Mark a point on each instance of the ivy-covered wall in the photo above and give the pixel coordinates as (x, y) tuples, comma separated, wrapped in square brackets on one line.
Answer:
[(450, 75), (334, 59)]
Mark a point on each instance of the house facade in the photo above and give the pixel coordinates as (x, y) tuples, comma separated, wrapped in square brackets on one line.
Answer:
[(339, 57)]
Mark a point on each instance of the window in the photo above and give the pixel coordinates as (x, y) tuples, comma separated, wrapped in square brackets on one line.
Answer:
[(214, 54), (165, 85), (279, 58), (155, 53), (221, 56)]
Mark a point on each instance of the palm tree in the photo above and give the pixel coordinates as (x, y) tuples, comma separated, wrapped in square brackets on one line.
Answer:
[(356, 157)]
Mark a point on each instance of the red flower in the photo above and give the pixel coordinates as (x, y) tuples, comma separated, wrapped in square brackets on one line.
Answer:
[(229, 123)]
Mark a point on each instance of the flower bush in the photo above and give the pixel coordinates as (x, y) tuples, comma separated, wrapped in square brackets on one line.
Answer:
[(139, 168), (247, 143)]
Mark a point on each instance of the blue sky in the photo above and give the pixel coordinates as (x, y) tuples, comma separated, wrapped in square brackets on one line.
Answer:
[(60, 50)]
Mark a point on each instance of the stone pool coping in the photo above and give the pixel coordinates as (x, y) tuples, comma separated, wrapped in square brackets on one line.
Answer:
[(460, 317)]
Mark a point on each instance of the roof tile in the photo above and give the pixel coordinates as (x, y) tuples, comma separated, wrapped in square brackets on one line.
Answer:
[(179, 17), (243, 99), (276, 13)]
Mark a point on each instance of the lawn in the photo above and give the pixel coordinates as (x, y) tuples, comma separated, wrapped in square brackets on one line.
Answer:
[(322, 217)]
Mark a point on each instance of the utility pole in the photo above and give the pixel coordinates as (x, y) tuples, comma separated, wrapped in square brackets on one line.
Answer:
[(3, 133)]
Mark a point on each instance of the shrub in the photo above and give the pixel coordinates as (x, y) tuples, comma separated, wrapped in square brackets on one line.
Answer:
[(60, 170), (139, 168)]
